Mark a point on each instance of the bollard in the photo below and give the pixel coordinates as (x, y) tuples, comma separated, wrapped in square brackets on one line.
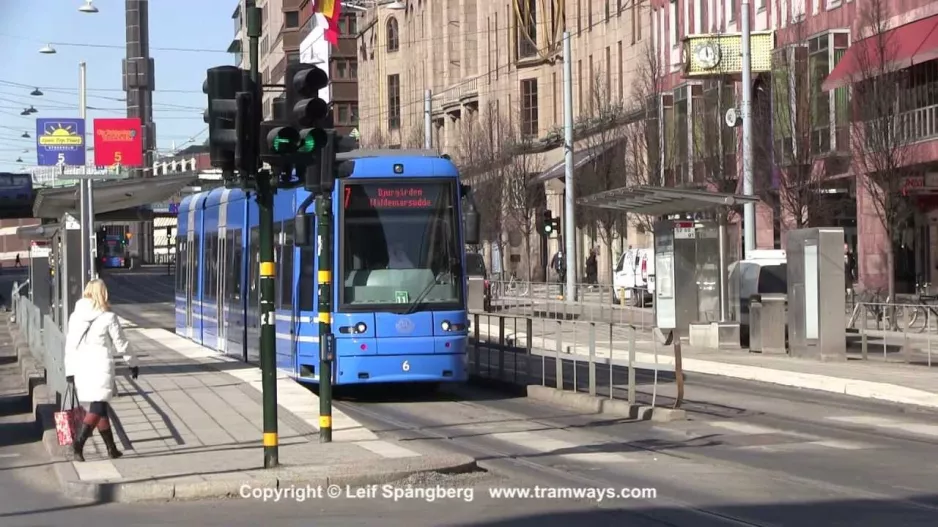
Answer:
[(592, 363)]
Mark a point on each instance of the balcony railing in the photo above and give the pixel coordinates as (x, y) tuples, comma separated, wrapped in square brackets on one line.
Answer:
[(913, 126), (454, 94)]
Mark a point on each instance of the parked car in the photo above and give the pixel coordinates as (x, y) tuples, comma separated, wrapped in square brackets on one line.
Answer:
[(475, 266), (634, 277)]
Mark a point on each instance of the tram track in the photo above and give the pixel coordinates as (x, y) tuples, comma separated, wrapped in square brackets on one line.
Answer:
[(565, 476), (500, 460)]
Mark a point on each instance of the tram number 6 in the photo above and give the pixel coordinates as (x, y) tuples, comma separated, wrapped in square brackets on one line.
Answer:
[(405, 366)]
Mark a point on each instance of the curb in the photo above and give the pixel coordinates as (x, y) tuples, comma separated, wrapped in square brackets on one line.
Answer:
[(861, 389), (588, 403)]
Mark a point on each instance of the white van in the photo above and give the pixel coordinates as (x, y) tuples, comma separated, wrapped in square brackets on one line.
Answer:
[(764, 272), (634, 277)]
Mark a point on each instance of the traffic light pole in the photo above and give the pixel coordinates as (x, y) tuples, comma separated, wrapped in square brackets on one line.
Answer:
[(326, 340), (265, 205)]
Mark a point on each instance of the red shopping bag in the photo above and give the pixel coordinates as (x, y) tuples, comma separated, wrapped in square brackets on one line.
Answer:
[(67, 422)]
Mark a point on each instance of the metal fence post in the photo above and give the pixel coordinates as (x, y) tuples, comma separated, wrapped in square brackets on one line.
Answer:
[(558, 365), (592, 363), (529, 345), (631, 365), (864, 349), (501, 348)]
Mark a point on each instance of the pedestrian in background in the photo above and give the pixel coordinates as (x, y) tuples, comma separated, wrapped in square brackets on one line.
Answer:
[(94, 337)]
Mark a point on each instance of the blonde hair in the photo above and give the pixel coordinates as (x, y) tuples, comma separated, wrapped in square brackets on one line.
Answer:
[(96, 292)]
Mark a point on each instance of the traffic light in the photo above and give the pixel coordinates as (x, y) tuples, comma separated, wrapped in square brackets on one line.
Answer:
[(232, 117), (548, 223), (222, 84), (305, 108), (294, 140)]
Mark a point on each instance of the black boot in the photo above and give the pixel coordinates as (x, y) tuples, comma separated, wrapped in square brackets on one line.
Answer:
[(78, 445), (108, 437)]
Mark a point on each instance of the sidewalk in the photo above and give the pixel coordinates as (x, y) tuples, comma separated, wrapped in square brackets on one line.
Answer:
[(190, 428), (898, 383)]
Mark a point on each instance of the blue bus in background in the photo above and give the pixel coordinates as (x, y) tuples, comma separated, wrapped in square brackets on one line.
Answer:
[(399, 304), (16, 195)]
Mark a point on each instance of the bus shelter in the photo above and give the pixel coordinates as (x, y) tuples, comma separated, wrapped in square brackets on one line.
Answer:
[(692, 256), (59, 270)]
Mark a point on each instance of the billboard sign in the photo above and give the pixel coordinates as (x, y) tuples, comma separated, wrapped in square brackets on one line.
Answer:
[(60, 142), (118, 142)]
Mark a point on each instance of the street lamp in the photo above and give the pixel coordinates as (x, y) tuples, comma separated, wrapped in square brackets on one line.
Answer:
[(47, 50), (88, 8), (36, 93)]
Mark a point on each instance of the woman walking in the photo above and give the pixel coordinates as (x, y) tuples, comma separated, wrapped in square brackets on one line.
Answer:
[(94, 334)]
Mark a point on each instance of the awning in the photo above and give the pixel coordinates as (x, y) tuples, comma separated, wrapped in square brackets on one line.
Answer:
[(582, 154), (896, 49), (111, 196), (662, 201)]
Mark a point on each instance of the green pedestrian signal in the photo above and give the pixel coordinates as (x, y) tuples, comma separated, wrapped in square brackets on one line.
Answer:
[(283, 140)]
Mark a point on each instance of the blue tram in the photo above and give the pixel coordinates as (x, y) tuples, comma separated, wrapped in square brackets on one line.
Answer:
[(399, 306)]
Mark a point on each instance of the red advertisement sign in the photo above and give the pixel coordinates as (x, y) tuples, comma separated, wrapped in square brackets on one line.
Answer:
[(118, 142)]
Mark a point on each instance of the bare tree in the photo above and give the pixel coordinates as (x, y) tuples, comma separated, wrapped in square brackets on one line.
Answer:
[(647, 155), (478, 153), (376, 138), (522, 201), (414, 138), (606, 146), (794, 115), (880, 134)]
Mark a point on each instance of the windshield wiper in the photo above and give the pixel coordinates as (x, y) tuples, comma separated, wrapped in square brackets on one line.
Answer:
[(423, 294)]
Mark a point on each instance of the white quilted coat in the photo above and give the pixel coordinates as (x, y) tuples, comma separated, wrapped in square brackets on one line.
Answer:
[(92, 360)]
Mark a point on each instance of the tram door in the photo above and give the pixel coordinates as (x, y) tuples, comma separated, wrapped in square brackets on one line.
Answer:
[(221, 311), (190, 280)]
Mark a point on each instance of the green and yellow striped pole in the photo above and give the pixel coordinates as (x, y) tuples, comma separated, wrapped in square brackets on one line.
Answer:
[(326, 338)]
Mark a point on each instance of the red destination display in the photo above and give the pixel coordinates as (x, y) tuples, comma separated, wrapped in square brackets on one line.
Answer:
[(380, 197)]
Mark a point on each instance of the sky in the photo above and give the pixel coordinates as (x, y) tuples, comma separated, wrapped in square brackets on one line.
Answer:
[(203, 27)]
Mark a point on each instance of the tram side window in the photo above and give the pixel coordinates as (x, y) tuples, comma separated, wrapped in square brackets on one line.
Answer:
[(286, 274), (195, 266), (209, 262), (180, 264), (235, 266), (253, 270), (278, 257), (307, 280)]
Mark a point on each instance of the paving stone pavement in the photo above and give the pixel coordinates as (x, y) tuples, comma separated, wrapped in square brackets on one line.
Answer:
[(183, 418)]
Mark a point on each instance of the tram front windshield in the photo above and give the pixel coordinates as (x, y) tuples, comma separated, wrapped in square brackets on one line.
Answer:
[(400, 247)]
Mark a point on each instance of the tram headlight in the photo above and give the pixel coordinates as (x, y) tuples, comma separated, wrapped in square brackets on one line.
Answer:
[(361, 327), (445, 325)]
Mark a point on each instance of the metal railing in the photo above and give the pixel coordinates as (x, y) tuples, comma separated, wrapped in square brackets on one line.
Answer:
[(594, 358), (45, 339), (595, 302), (902, 332)]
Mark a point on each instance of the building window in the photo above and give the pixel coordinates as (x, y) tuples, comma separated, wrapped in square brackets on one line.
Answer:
[(291, 19), (353, 111), (394, 42), (394, 102), (529, 125), (526, 29), (672, 22), (341, 69), (264, 46), (732, 6), (348, 25), (352, 69), (343, 117)]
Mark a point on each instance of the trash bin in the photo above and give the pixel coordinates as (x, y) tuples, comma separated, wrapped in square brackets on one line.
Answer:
[(755, 323), (774, 323)]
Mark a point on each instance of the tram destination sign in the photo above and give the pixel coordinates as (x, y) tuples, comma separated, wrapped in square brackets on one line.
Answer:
[(396, 196)]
